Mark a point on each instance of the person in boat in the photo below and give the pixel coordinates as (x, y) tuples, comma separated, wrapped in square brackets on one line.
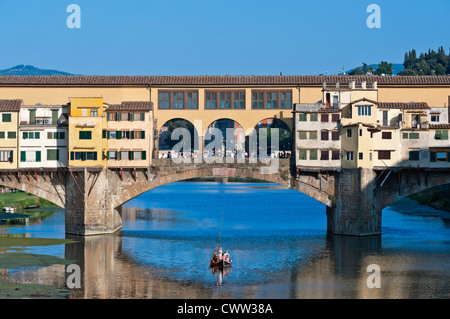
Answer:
[(214, 257), (227, 256), (219, 253)]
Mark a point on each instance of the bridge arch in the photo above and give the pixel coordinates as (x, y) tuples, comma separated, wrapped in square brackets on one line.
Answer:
[(131, 189), (49, 186)]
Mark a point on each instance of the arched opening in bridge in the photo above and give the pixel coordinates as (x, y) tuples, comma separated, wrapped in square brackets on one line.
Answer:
[(166, 135), (272, 126), (224, 135)]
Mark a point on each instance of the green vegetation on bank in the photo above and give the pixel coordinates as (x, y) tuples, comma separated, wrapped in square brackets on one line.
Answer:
[(437, 197), (20, 200)]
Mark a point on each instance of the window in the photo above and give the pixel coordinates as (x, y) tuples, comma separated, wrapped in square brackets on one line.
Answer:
[(31, 135), (30, 156), (302, 135), (302, 154), (349, 132), (441, 135), (313, 117), (112, 134), (302, 117), (124, 155), (324, 118), (324, 155), (349, 156), (386, 135), (94, 113), (52, 155), (192, 101), (360, 156), (112, 155), (85, 135), (139, 135), (2, 135), (335, 155), (335, 135), (360, 132), (6, 117), (271, 99), (434, 117), (324, 135), (313, 135), (413, 155), (56, 135), (384, 155), (83, 156), (224, 99), (364, 110), (334, 117), (6, 156), (178, 99), (313, 154), (411, 136), (12, 135)]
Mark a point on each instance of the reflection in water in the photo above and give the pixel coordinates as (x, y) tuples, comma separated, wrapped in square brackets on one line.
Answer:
[(164, 249), (220, 274)]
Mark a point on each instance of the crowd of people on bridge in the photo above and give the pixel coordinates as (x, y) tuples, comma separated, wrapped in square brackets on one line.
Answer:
[(228, 153)]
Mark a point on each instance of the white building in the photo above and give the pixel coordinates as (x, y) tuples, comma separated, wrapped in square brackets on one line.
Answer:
[(43, 136)]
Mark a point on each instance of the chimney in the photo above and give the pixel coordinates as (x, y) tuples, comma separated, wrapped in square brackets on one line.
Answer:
[(351, 85), (324, 85), (363, 85), (375, 85)]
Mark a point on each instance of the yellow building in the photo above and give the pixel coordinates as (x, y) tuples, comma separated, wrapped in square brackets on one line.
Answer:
[(129, 134), (87, 121), (9, 124)]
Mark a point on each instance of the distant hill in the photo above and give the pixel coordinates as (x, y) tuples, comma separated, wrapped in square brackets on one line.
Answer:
[(30, 70), (398, 67)]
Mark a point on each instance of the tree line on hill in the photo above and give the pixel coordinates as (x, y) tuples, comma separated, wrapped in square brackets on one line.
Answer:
[(431, 63)]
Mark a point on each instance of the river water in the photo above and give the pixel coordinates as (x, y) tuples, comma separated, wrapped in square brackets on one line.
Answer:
[(276, 237)]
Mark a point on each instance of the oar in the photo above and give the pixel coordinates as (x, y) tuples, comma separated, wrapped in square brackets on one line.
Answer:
[(220, 231)]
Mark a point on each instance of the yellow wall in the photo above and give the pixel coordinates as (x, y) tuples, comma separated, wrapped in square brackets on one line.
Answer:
[(132, 144), (95, 124), (434, 96), (7, 144)]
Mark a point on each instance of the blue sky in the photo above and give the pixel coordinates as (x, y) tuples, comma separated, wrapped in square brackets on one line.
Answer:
[(198, 37)]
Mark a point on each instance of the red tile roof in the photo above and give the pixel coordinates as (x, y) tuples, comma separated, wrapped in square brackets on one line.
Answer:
[(439, 126), (10, 105), (403, 105), (131, 106), (237, 80)]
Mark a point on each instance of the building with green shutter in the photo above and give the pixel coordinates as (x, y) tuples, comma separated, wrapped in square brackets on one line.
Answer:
[(9, 121), (129, 134), (43, 136)]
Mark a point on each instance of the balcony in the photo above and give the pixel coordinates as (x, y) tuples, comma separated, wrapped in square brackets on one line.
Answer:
[(45, 121)]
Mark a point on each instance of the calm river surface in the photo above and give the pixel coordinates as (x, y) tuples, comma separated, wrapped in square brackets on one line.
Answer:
[(276, 237)]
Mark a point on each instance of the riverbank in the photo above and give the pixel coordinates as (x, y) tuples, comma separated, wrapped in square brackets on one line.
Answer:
[(13, 257), (437, 197), (20, 200)]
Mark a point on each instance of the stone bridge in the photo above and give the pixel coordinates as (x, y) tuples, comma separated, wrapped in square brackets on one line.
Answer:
[(93, 197)]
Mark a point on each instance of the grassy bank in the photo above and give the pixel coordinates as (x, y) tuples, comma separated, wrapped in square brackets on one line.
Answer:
[(20, 200), (437, 197), (13, 257)]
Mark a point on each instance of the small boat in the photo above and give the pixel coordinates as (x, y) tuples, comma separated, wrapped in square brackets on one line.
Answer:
[(32, 207), (9, 209), (219, 264)]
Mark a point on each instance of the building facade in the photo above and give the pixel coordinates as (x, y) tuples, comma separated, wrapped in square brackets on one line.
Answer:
[(9, 123), (43, 136), (87, 145), (129, 134)]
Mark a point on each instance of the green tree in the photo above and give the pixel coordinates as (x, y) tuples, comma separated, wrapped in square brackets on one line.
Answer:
[(384, 68)]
